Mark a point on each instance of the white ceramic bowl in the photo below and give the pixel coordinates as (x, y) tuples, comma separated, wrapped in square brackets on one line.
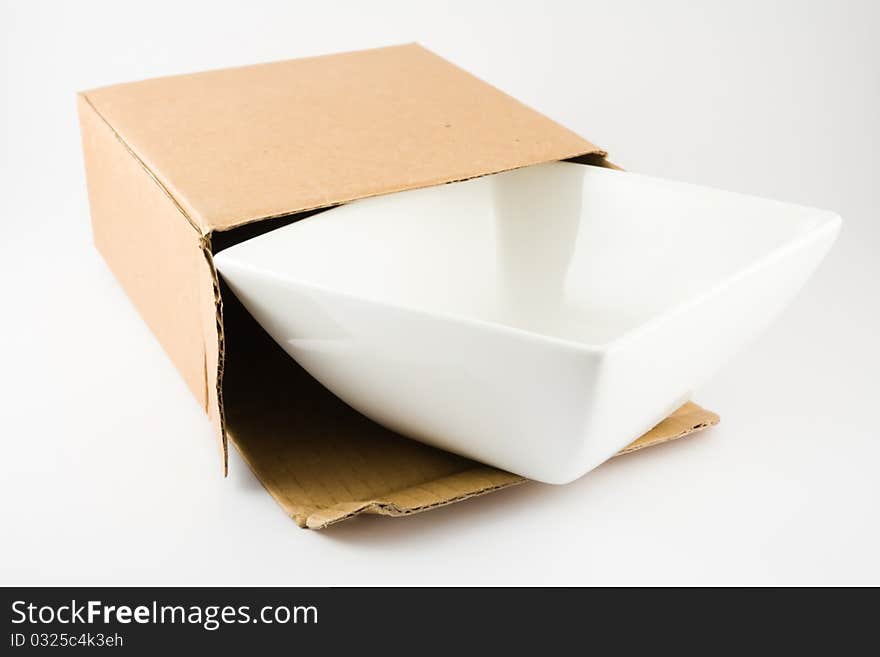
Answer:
[(537, 320)]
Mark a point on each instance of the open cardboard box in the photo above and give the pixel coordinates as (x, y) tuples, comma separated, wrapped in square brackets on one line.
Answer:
[(179, 168)]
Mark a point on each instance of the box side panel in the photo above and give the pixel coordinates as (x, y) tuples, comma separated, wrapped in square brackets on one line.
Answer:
[(155, 253), (237, 145)]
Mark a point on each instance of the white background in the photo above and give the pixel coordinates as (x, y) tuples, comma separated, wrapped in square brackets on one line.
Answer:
[(109, 472)]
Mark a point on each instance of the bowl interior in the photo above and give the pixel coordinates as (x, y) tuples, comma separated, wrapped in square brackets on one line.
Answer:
[(575, 252)]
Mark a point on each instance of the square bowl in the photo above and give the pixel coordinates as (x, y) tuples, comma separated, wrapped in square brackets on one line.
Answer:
[(537, 320)]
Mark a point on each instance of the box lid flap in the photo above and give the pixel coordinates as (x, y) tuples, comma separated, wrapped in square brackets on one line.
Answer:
[(242, 144)]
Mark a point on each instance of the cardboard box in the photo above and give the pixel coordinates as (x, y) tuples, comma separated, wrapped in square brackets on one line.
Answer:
[(179, 168)]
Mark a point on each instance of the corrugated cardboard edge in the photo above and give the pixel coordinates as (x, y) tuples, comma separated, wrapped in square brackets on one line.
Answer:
[(688, 419)]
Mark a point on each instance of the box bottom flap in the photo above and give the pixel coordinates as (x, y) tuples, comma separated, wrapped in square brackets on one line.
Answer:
[(324, 462)]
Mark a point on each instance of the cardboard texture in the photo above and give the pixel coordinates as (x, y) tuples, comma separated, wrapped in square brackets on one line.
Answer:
[(180, 167)]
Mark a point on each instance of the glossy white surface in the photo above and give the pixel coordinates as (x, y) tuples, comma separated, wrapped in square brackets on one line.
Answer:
[(537, 320)]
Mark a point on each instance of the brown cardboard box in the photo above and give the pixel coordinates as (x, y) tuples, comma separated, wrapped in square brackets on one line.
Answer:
[(179, 168)]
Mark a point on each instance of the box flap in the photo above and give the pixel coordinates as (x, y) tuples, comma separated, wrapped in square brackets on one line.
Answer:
[(237, 145), (324, 462)]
